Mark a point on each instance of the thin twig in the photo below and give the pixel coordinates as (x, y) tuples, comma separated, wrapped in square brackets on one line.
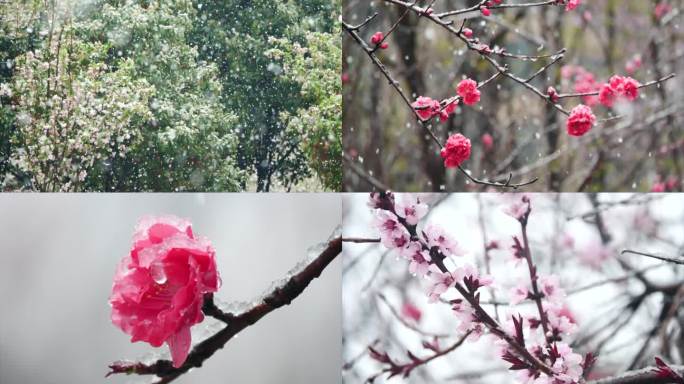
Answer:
[(663, 258)]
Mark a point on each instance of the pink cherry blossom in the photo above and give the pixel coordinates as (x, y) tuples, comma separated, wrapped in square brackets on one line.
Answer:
[(550, 287), (519, 293), (392, 233), (519, 208), (568, 366), (566, 241), (410, 208), (560, 319), (419, 259), (441, 282), (377, 38), (159, 286), (437, 237), (468, 271), (553, 94), (468, 323)]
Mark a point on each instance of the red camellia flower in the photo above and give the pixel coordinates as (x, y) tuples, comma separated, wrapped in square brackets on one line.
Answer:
[(456, 150), (426, 107), (377, 38), (580, 121), (607, 95), (159, 286), (625, 86), (618, 86), (467, 89)]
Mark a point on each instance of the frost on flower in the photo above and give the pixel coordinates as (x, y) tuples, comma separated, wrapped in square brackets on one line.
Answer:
[(159, 287)]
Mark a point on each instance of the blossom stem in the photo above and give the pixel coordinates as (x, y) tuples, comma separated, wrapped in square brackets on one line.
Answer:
[(533, 278)]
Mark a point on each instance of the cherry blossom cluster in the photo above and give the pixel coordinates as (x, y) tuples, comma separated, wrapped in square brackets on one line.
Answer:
[(533, 345), (617, 88)]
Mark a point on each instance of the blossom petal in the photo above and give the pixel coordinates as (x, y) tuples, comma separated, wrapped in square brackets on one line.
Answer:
[(179, 345)]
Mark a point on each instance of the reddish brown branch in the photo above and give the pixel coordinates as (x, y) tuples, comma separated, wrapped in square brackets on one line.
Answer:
[(404, 369)]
